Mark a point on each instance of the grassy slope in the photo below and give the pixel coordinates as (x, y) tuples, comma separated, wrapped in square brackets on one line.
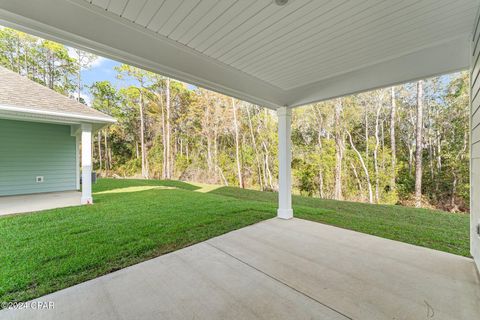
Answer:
[(428, 228), (45, 252)]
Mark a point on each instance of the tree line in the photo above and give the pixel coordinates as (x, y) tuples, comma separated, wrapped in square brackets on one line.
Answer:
[(402, 145)]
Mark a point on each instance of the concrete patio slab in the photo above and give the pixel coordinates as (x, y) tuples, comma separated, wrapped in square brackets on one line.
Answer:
[(365, 277), (39, 201), (279, 269)]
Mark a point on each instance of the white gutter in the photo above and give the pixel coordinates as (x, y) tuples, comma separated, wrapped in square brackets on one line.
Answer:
[(56, 115)]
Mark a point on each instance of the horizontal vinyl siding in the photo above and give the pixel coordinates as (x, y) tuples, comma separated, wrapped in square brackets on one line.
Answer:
[(30, 149)]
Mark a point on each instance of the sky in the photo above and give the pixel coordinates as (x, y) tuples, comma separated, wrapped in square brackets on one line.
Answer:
[(101, 69)]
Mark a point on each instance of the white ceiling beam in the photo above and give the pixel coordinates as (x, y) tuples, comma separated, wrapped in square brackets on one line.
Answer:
[(446, 57), (78, 24)]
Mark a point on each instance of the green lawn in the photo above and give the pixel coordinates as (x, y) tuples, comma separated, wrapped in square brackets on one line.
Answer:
[(50, 250)]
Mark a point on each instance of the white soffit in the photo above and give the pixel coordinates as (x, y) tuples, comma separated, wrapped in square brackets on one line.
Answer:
[(302, 52)]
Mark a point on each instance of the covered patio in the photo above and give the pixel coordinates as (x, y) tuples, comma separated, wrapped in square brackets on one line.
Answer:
[(38, 202), (281, 55), (279, 269)]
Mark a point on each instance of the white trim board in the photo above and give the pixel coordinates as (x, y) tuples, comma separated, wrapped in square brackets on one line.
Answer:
[(32, 115), (53, 115)]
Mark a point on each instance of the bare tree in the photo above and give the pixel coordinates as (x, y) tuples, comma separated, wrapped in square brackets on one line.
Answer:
[(377, 144), (461, 154), (392, 137), (107, 161), (237, 146), (338, 151), (142, 136), (365, 115), (255, 149), (164, 136), (357, 178), (419, 146), (99, 143), (365, 169), (168, 173), (84, 61), (319, 118)]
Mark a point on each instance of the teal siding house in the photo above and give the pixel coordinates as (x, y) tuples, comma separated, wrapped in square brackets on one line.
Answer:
[(45, 139)]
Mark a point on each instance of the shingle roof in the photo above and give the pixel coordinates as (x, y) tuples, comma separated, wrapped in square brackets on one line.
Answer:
[(20, 92)]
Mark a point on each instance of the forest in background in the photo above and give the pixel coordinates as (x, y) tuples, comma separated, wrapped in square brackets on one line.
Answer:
[(407, 145)]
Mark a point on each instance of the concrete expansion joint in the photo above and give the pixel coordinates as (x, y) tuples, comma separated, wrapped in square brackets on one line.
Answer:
[(278, 280)]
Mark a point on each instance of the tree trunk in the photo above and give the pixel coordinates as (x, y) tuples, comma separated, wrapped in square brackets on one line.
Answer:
[(255, 149), (429, 141), (454, 191), (438, 160), (209, 154), (459, 157), (419, 146), (392, 139), (382, 126), (142, 138), (320, 182), (79, 83), (164, 141), (79, 74), (359, 183), (320, 148), (338, 151), (410, 160), (365, 169), (267, 166), (237, 146), (222, 175), (106, 161), (366, 133), (99, 142), (375, 151), (19, 69), (168, 174), (215, 154), (110, 155)]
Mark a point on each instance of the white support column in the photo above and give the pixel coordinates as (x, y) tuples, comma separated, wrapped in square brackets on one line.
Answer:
[(86, 164), (77, 161), (284, 163)]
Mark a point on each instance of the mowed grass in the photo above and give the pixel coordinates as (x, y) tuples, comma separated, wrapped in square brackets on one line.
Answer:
[(434, 229), (46, 251)]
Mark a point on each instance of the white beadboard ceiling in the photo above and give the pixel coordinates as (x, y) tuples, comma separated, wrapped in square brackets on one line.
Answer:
[(283, 51)]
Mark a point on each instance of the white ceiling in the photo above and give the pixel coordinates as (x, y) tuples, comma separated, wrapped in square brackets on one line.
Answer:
[(259, 51), (303, 41)]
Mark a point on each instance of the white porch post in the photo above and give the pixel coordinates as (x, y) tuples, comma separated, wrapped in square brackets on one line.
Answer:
[(77, 161), (86, 164), (284, 163)]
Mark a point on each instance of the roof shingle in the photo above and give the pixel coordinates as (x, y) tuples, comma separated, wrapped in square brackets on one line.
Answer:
[(21, 92)]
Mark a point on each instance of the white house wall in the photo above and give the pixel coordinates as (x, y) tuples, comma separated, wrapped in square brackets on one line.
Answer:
[(31, 149), (475, 149)]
